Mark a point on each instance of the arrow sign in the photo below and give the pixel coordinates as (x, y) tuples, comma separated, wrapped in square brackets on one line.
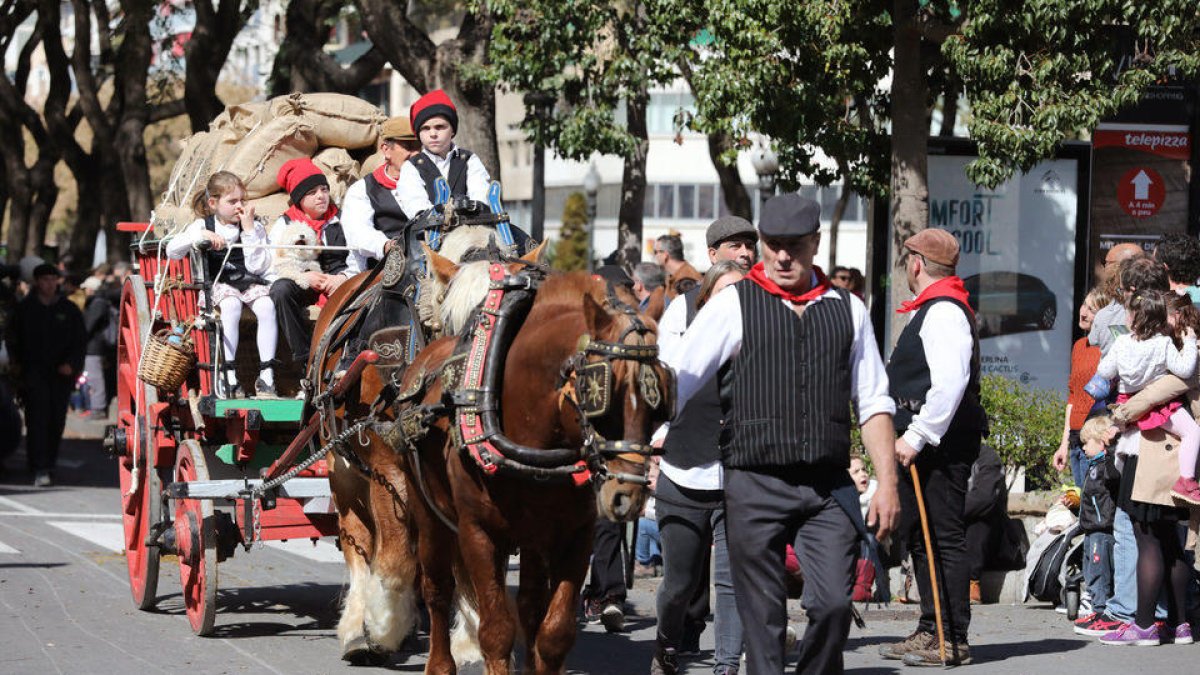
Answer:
[(1141, 185), (1141, 192)]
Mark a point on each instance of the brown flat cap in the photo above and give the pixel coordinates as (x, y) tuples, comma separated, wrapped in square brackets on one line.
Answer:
[(938, 246), (397, 129)]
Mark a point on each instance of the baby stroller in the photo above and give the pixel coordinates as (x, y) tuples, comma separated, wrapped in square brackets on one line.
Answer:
[(1054, 569)]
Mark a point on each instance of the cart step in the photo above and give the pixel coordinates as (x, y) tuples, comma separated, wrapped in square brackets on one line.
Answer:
[(272, 409), (264, 454)]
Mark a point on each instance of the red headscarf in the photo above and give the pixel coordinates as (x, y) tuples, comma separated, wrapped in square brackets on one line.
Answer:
[(949, 287), (758, 275)]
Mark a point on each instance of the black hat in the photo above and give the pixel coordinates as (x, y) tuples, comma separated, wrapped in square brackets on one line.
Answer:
[(789, 215), (728, 227), (46, 269)]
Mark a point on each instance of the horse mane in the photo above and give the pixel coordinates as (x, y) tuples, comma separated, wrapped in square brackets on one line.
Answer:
[(434, 300), (466, 291)]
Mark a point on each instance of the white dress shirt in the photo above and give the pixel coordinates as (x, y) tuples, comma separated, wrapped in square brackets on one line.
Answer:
[(410, 187), (707, 476), (355, 261), (258, 260), (358, 222), (715, 337), (947, 343)]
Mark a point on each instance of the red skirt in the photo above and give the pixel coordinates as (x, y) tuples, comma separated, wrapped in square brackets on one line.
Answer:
[(1157, 416)]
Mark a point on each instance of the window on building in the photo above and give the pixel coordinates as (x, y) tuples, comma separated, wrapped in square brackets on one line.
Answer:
[(648, 208), (706, 200), (666, 201), (687, 201), (662, 108)]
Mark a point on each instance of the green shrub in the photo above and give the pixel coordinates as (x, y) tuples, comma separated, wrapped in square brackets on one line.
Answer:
[(1026, 427)]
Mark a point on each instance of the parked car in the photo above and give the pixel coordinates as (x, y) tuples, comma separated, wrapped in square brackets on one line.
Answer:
[(1010, 302)]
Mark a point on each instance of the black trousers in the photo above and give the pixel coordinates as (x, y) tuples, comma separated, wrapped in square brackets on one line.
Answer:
[(944, 473), (46, 396), (764, 511), (291, 305), (608, 569)]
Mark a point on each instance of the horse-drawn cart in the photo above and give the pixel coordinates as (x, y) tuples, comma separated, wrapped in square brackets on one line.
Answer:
[(200, 474)]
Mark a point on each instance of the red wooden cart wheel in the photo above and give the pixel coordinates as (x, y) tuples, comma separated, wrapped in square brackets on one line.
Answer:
[(141, 503), (196, 542)]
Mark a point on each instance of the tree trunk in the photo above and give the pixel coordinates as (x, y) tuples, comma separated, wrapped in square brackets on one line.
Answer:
[(910, 132), (206, 53), (835, 223), (633, 183), (303, 65), (733, 191), (950, 107), (427, 66)]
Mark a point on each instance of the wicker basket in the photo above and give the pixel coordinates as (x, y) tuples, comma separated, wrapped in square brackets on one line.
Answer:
[(166, 365)]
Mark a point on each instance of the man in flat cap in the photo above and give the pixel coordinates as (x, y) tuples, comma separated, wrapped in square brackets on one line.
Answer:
[(793, 353), (934, 376), (691, 513), (371, 216)]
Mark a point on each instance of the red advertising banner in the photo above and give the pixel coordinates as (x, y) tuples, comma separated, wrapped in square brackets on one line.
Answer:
[(1139, 185)]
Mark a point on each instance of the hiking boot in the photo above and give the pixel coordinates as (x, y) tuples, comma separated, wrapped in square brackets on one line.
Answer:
[(665, 662), (957, 654), (1130, 634), (1186, 490), (1095, 625), (612, 616), (917, 641)]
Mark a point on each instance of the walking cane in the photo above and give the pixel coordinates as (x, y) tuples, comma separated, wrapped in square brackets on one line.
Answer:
[(937, 602)]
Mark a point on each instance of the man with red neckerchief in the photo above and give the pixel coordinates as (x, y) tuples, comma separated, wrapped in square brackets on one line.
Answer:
[(934, 376), (793, 354), (371, 215)]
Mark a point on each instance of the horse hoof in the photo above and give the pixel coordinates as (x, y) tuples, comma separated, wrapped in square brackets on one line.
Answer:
[(359, 652)]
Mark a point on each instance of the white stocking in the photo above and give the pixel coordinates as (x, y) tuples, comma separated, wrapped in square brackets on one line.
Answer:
[(231, 315), (268, 334)]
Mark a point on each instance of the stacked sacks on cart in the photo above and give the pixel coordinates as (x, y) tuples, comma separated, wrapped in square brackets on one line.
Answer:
[(252, 140)]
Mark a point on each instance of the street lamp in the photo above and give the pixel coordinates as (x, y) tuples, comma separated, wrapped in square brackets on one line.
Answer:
[(766, 165), (591, 186)]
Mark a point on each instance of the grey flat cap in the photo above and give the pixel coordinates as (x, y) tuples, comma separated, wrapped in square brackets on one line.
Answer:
[(789, 215), (727, 227)]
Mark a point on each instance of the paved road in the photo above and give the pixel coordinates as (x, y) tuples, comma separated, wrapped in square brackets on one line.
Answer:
[(66, 605)]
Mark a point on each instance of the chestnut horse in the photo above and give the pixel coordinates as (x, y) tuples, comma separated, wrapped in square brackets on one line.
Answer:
[(379, 608), (468, 522)]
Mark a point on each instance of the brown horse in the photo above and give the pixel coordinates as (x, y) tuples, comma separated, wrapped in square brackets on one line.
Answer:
[(379, 608), (468, 523)]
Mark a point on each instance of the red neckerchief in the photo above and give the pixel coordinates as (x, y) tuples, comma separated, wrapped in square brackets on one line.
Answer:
[(380, 174), (758, 275), (950, 287), (296, 213)]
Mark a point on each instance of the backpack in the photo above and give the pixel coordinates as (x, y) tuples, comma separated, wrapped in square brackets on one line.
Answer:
[(1044, 571)]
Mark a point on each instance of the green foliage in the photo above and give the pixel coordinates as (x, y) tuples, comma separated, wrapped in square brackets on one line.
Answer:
[(570, 252), (1026, 425), (1054, 68), (584, 58)]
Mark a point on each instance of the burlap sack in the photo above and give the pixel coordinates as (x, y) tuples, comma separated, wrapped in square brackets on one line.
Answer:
[(241, 119), (340, 169), (269, 208), (170, 219), (203, 154), (262, 152), (370, 164), (338, 120)]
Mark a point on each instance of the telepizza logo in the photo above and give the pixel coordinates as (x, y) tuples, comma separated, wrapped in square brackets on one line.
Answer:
[(1153, 141)]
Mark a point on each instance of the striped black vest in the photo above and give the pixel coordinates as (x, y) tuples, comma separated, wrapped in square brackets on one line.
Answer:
[(692, 440), (786, 395), (456, 176), (388, 217), (909, 380)]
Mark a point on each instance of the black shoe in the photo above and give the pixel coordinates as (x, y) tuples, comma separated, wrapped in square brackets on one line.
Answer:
[(665, 662), (690, 644), (613, 616)]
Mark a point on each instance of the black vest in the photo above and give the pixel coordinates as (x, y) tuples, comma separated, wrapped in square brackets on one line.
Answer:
[(909, 381), (786, 395), (692, 440), (331, 262), (233, 269), (389, 218), (456, 177)]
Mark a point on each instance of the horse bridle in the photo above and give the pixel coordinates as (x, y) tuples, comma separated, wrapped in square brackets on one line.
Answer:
[(586, 381)]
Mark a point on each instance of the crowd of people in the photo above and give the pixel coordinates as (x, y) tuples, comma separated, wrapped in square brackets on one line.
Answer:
[(1131, 442), (757, 494)]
